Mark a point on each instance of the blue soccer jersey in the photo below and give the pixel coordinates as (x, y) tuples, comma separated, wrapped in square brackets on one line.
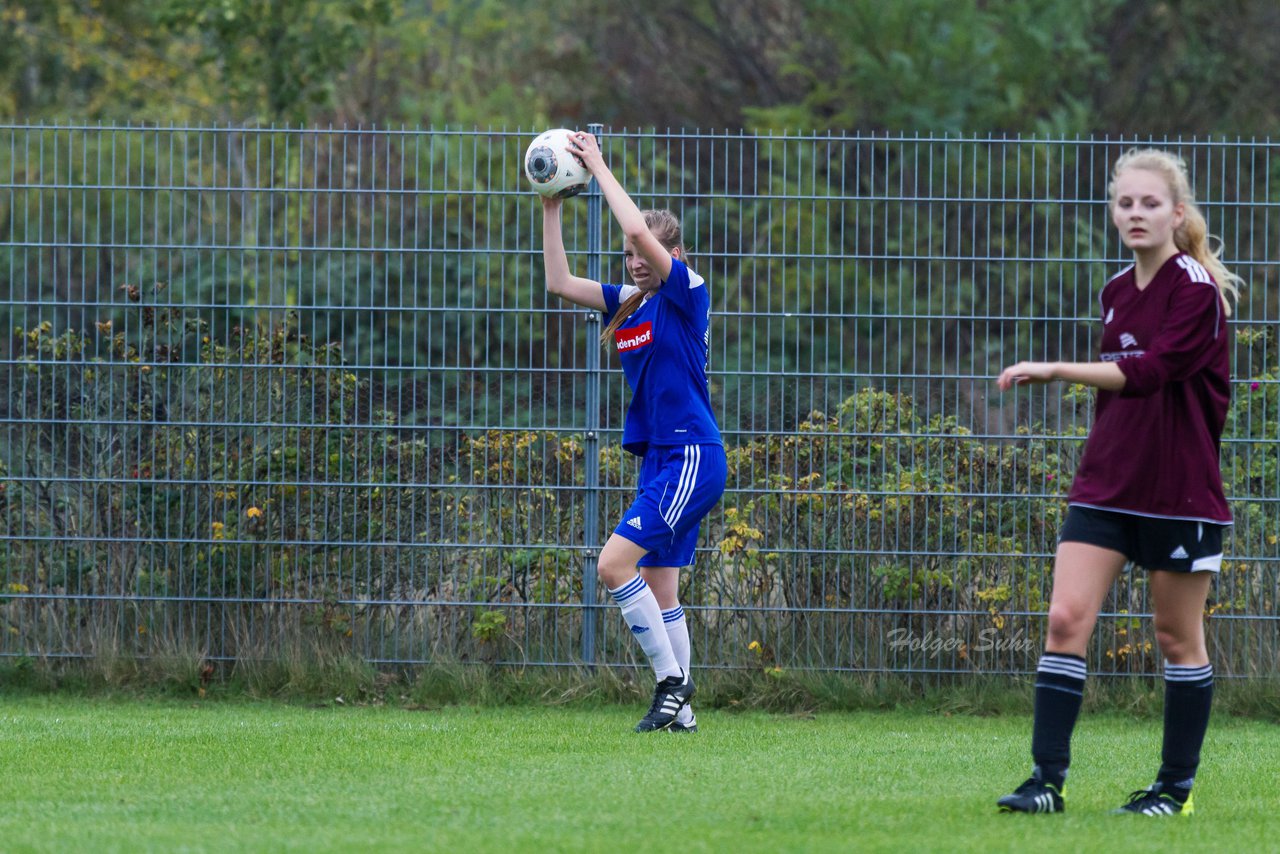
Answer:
[(663, 348)]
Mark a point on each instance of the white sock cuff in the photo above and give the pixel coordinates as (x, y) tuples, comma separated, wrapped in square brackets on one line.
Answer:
[(1063, 665), (1185, 673), (629, 592)]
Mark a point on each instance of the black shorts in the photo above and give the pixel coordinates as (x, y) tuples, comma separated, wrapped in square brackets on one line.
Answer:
[(1179, 545)]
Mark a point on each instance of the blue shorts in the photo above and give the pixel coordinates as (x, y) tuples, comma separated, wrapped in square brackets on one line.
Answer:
[(679, 484)]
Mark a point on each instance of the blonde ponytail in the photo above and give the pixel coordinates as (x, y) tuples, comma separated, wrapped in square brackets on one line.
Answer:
[(625, 310)]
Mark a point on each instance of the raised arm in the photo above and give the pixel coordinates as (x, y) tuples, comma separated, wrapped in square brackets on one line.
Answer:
[(624, 209), (560, 281)]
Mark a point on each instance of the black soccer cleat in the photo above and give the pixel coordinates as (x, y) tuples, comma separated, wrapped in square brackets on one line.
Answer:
[(669, 697), (1155, 801), (1034, 795), (691, 726)]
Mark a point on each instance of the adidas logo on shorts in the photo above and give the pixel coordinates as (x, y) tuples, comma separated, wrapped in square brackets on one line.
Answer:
[(635, 523), (1179, 554)]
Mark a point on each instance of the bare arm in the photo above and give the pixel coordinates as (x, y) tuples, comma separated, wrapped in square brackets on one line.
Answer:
[(560, 281), (624, 209), (1104, 375)]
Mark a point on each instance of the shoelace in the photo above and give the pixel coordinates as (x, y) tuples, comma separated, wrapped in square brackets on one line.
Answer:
[(658, 696), (1032, 783)]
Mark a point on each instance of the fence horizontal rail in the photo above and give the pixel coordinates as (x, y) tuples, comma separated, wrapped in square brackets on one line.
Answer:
[(305, 385)]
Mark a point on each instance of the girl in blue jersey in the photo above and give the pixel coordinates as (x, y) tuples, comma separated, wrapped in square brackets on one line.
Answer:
[(1149, 487), (659, 327)]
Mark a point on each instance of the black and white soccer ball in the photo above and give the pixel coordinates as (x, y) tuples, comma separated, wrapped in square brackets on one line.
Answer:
[(552, 169)]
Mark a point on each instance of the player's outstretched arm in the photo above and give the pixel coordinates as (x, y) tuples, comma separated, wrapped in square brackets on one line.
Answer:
[(560, 281), (625, 211), (1103, 375)]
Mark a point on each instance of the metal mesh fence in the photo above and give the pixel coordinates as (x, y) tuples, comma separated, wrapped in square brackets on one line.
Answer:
[(273, 392)]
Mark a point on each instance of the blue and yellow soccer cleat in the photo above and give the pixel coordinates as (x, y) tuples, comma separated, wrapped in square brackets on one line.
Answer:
[(1155, 801), (1035, 795)]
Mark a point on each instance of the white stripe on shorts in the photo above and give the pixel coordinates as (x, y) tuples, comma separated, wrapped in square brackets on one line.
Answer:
[(684, 489), (1212, 563)]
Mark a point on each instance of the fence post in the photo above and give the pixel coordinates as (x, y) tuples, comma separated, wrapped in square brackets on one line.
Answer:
[(591, 500)]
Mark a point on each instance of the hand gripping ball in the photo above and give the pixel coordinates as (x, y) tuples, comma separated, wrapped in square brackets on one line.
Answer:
[(552, 169)]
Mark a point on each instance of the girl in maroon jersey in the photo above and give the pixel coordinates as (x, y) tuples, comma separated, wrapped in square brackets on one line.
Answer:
[(1149, 487)]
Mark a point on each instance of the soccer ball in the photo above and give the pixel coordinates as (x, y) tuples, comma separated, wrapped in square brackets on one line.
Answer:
[(552, 169)]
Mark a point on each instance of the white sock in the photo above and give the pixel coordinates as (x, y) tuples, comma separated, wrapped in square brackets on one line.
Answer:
[(644, 618), (678, 634)]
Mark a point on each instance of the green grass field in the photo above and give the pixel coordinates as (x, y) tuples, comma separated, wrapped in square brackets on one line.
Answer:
[(128, 775)]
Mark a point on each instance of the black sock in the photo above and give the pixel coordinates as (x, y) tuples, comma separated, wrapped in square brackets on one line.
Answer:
[(1188, 696), (1059, 692)]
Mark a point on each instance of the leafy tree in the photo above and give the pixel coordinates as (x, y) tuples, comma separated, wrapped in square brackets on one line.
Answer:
[(480, 63), (947, 66), (1189, 67), (275, 60), (69, 59), (943, 66)]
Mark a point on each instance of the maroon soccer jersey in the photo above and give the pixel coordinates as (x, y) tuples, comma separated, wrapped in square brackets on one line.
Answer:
[(1153, 449)]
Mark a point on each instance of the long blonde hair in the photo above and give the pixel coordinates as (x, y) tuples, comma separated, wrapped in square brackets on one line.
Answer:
[(666, 227), (1192, 237)]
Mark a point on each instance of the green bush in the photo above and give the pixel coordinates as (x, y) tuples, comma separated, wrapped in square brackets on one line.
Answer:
[(168, 494)]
